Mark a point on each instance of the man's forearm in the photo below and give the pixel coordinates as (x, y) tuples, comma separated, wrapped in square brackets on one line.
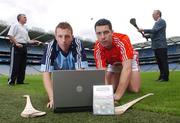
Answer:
[(12, 39), (123, 82), (48, 84), (124, 79)]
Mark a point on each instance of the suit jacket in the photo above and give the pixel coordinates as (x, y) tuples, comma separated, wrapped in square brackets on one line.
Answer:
[(158, 34)]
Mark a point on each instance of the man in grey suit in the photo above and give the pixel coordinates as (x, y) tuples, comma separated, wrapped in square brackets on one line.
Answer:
[(159, 44)]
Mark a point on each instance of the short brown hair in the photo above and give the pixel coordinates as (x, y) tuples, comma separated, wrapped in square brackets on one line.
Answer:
[(159, 12), (19, 15), (103, 22), (64, 25)]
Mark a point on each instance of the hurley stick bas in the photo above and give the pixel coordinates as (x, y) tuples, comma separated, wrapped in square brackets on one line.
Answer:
[(133, 22), (121, 109), (29, 110)]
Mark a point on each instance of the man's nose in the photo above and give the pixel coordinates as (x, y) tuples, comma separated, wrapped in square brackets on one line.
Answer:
[(63, 39), (102, 35)]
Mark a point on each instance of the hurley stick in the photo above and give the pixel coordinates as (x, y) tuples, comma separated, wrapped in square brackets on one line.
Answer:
[(133, 22), (123, 108), (29, 110)]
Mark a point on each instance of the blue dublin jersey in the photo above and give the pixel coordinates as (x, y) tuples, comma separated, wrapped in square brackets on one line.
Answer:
[(55, 59)]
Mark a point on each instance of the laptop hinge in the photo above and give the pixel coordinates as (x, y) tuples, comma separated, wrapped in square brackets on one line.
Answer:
[(72, 109)]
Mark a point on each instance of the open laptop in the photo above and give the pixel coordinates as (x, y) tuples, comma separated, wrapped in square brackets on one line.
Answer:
[(73, 89)]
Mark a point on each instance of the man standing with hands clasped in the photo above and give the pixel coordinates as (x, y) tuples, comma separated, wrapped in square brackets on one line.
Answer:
[(18, 35)]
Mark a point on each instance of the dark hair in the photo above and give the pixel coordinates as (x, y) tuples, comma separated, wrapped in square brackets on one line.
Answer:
[(159, 12), (64, 25), (19, 15), (102, 22)]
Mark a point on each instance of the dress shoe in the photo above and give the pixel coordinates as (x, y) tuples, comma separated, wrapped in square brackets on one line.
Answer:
[(164, 80), (158, 79), (11, 84), (21, 83)]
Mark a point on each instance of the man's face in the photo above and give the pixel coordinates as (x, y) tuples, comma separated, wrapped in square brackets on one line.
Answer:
[(104, 35), (155, 15), (64, 38), (23, 19)]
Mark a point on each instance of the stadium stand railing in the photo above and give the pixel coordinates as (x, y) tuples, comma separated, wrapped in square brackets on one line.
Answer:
[(146, 55), (34, 54)]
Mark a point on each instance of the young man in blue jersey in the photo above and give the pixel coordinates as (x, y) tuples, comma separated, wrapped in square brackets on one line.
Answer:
[(63, 53)]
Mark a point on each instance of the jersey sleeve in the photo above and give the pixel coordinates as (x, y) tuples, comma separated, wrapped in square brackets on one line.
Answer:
[(81, 59), (126, 48), (12, 30), (47, 61)]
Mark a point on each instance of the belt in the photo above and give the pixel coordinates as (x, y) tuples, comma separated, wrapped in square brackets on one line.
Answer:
[(24, 44)]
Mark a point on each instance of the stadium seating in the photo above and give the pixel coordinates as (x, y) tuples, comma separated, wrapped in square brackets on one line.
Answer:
[(4, 45), (146, 56)]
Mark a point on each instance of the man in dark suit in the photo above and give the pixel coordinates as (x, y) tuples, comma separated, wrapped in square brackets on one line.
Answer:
[(159, 44)]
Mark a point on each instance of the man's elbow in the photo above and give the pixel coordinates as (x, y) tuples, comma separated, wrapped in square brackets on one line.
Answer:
[(10, 38)]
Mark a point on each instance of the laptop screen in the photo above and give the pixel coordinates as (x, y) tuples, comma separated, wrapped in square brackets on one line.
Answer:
[(73, 89)]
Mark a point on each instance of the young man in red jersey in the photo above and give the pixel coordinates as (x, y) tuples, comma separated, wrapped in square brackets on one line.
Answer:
[(114, 52)]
